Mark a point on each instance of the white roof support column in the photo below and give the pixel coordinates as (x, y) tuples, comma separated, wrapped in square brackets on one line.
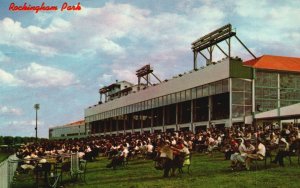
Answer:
[(176, 123), (152, 130), (142, 122), (230, 102), (209, 110), (192, 116), (163, 119)]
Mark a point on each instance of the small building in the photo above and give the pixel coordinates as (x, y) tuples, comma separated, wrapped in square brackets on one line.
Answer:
[(115, 90), (72, 130)]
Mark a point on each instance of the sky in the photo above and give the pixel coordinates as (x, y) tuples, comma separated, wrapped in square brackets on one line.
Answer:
[(60, 59)]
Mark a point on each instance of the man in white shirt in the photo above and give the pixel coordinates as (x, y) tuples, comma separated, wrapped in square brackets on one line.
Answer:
[(211, 145), (258, 155), (150, 148)]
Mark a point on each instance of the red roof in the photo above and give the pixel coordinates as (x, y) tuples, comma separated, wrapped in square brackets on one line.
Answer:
[(275, 63), (75, 123)]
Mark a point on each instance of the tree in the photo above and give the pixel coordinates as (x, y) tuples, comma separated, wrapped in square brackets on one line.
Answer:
[(8, 140), (1, 140), (18, 140)]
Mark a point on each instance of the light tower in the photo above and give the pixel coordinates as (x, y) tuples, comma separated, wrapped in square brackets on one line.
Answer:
[(36, 107)]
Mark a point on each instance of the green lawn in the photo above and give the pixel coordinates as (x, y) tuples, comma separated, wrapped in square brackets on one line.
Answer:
[(3, 156), (206, 172)]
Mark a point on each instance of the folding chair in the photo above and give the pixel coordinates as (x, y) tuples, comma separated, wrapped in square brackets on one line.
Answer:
[(187, 163), (64, 166), (82, 169), (74, 166), (268, 155), (53, 180)]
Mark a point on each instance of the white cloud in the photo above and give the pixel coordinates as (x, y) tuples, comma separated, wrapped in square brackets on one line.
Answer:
[(21, 128), (10, 110), (24, 123), (106, 45), (273, 14), (254, 8), (125, 74), (104, 30), (13, 34), (117, 29), (8, 79), (127, 33), (269, 23), (159, 39), (105, 79), (36, 75)]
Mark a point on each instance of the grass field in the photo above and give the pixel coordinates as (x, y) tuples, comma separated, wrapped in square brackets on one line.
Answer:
[(3, 156), (206, 172)]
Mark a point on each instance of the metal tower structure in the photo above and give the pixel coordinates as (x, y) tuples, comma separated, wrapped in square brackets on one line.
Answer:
[(211, 40), (145, 73)]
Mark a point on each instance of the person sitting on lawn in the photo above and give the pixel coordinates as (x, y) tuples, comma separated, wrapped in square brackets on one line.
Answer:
[(211, 144), (234, 156), (185, 150), (87, 153), (259, 153), (180, 151), (166, 157), (283, 150), (150, 149), (117, 159), (231, 148), (245, 148), (125, 152)]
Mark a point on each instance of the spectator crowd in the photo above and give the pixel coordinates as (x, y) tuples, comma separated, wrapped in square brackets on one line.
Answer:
[(240, 144)]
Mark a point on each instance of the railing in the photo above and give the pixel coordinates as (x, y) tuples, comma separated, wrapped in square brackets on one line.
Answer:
[(4, 174), (7, 170)]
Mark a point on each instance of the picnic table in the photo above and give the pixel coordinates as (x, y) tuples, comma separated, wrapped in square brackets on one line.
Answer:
[(49, 167)]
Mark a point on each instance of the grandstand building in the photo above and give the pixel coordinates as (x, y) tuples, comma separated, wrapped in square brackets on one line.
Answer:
[(222, 94), (72, 130), (266, 88)]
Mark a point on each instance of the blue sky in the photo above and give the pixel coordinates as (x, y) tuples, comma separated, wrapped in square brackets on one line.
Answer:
[(61, 59)]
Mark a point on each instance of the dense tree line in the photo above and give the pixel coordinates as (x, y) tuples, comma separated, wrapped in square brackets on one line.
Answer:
[(10, 140)]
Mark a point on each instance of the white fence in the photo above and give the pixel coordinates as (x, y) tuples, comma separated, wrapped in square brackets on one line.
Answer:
[(7, 170)]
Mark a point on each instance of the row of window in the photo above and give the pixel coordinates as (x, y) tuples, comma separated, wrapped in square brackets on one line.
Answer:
[(241, 85), (266, 90), (290, 94), (266, 93), (196, 111), (270, 79), (241, 97), (266, 104), (189, 94), (272, 93), (266, 79), (270, 104), (290, 80)]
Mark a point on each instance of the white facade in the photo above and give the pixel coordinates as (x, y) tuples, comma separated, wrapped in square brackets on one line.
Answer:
[(72, 130), (203, 76), (292, 110), (216, 95)]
